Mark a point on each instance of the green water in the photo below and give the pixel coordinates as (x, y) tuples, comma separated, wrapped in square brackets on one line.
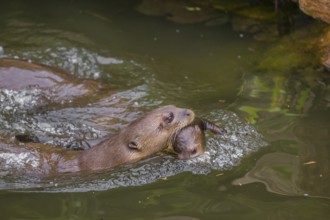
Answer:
[(150, 61)]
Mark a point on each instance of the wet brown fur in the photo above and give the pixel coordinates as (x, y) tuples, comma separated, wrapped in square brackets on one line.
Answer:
[(55, 83)]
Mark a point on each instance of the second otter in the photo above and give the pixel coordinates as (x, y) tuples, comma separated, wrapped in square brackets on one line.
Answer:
[(190, 141)]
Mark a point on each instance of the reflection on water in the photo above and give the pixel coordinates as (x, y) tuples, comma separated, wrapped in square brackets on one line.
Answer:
[(144, 63), (286, 108), (277, 171), (305, 173)]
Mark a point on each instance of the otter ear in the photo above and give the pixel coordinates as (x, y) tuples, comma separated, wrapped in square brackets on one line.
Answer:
[(133, 145), (167, 119)]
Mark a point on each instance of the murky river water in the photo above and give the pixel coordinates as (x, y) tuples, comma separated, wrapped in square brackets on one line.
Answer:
[(273, 163)]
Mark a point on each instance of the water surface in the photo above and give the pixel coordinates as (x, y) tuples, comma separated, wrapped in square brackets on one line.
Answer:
[(273, 163)]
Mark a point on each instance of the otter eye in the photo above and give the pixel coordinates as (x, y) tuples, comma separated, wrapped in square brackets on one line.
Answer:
[(169, 118), (194, 151)]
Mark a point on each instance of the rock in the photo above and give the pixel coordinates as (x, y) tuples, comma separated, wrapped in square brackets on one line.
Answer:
[(319, 9)]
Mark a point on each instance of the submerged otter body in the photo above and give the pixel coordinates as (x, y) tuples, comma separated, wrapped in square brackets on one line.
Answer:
[(144, 137), (55, 83), (190, 141), (31, 158)]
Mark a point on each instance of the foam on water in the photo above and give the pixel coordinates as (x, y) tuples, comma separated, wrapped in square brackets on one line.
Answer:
[(18, 160), (24, 100), (20, 114)]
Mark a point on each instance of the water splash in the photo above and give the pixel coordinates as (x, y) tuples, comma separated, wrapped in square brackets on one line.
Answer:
[(18, 160), (24, 100)]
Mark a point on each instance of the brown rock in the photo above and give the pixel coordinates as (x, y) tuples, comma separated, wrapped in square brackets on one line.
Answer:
[(319, 9)]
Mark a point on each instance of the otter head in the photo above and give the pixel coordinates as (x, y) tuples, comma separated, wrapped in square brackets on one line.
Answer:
[(189, 142), (155, 130)]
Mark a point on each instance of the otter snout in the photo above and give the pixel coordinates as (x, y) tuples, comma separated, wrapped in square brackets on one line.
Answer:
[(187, 113), (182, 155)]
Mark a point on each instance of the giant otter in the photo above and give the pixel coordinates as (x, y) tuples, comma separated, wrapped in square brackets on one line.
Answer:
[(145, 136), (55, 83), (190, 141)]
